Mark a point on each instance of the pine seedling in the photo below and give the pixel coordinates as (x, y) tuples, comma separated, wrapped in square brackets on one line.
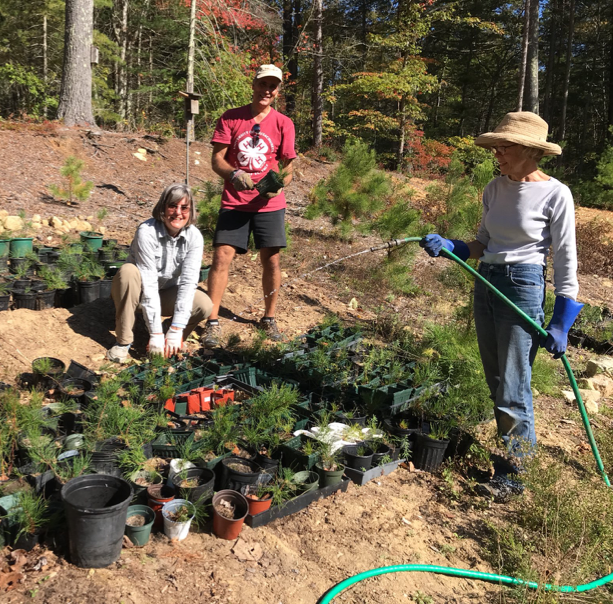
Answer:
[(75, 188)]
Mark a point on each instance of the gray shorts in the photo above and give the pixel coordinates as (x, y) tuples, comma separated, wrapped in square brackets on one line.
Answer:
[(234, 227)]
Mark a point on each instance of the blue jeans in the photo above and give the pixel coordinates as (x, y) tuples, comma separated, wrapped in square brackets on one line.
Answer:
[(508, 347)]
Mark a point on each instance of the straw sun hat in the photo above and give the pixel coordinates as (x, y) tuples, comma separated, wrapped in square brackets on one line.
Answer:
[(522, 128)]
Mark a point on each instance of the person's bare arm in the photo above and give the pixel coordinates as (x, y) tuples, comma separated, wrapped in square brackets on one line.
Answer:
[(218, 161), (288, 168), (476, 249)]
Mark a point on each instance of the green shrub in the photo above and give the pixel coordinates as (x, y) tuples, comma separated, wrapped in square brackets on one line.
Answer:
[(356, 189), (208, 202)]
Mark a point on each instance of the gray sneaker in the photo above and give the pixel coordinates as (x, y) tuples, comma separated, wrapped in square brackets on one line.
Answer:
[(269, 325), (212, 335), (118, 353)]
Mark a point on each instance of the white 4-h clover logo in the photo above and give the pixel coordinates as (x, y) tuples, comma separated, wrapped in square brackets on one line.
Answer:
[(252, 157)]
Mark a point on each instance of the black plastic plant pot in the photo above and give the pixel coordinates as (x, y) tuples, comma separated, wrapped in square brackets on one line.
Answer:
[(429, 453), (267, 464), (356, 461), (51, 374), (96, 509), (75, 388), (460, 442), (392, 425), (360, 420), (140, 481), (380, 451), (105, 288), (106, 254), (37, 286), (89, 291), (5, 301), (21, 283), (23, 299), (271, 183), (45, 299), (202, 478), (238, 472), (329, 478), (16, 263), (27, 541)]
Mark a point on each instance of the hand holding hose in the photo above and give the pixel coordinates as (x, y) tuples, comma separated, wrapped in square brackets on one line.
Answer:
[(433, 244), (565, 311)]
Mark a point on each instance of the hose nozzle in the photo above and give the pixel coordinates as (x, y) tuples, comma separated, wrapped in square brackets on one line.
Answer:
[(390, 244)]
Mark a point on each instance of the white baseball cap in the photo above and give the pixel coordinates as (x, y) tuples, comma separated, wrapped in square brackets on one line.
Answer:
[(269, 70)]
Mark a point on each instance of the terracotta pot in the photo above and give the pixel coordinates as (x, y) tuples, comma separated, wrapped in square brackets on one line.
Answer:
[(226, 528), (159, 494), (258, 505)]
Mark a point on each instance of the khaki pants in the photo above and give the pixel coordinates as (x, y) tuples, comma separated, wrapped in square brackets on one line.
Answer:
[(126, 291)]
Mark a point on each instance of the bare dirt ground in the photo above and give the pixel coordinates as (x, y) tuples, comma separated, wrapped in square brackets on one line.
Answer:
[(402, 518)]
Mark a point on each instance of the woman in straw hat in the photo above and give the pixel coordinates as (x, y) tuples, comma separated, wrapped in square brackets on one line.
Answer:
[(525, 212)]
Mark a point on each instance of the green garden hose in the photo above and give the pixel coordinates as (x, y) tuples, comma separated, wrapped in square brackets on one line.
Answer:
[(458, 572), (471, 574)]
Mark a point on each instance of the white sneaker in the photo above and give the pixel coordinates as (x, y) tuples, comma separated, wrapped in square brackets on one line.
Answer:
[(118, 353)]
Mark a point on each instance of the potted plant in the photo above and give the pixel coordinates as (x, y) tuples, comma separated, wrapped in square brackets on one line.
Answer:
[(259, 498), (47, 371), (195, 484), (30, 516), (330, 470), (230, 509), (430, 448), (53, 281), (5, 296), (88, 276), (178, 515), (139, 523), (358, 457)]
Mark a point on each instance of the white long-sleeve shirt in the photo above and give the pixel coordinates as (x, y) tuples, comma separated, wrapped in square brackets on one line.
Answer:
[(163, 262), (522, 220)]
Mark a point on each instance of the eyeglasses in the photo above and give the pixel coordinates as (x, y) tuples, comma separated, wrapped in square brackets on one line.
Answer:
[(255, 135), (182, 209), (501, 149)]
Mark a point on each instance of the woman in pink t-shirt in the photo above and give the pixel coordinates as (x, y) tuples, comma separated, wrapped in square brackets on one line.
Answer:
[(248, 142)]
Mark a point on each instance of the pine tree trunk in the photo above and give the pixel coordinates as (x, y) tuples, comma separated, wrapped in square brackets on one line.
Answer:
[(569, 49), (554, 35), (531, 95), (75, 106), (190, 63), (524, 57), (318, 75), (45, 63), (610, 108)]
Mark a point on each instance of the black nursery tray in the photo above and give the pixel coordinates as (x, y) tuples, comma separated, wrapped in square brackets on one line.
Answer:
[(361, 478), (296, 504)]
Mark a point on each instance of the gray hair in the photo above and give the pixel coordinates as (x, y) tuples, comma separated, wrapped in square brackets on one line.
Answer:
[(532, 153), (173, 194)]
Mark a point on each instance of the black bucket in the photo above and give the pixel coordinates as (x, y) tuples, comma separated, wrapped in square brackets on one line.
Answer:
[(96, 510), (89, 291)]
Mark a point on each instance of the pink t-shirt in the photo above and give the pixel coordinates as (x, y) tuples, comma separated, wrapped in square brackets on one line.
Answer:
[(276, 142)]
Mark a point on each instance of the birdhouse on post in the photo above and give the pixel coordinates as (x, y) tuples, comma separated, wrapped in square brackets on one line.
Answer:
[(191, 109), (191, 104)]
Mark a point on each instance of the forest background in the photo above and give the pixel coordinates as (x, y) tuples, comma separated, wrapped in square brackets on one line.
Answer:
[(414, 80)]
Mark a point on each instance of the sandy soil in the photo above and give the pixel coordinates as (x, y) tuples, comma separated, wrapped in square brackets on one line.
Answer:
[(403, 518)]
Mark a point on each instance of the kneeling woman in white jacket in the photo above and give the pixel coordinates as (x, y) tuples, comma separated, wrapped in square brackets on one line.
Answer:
[(161, 273)]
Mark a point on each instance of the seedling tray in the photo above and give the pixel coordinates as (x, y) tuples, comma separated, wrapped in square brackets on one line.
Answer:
[(362, 478), (295, 505), (161, 448)]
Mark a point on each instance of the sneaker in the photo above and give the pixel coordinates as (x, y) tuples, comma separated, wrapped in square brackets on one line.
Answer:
[(269, 325), (212, 334), (500, 488), (118, 353)]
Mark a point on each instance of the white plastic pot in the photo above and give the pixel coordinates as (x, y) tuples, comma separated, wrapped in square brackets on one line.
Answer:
[(176, 467), (176, 530)]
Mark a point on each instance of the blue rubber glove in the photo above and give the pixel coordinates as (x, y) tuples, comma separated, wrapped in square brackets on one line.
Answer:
[(565, 311), (433, 244)]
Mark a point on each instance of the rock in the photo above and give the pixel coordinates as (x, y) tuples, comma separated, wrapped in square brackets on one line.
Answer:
[(55, 222), (37, 226), (89, 218), (586, 383), (590, 399), (102, 230), (3, 215), (1, 229), (13, 223), (73, 223), (603, 383), (600, 365), (535, 393)]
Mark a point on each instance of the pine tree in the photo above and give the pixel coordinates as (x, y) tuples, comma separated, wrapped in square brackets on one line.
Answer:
[(75, 188)]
